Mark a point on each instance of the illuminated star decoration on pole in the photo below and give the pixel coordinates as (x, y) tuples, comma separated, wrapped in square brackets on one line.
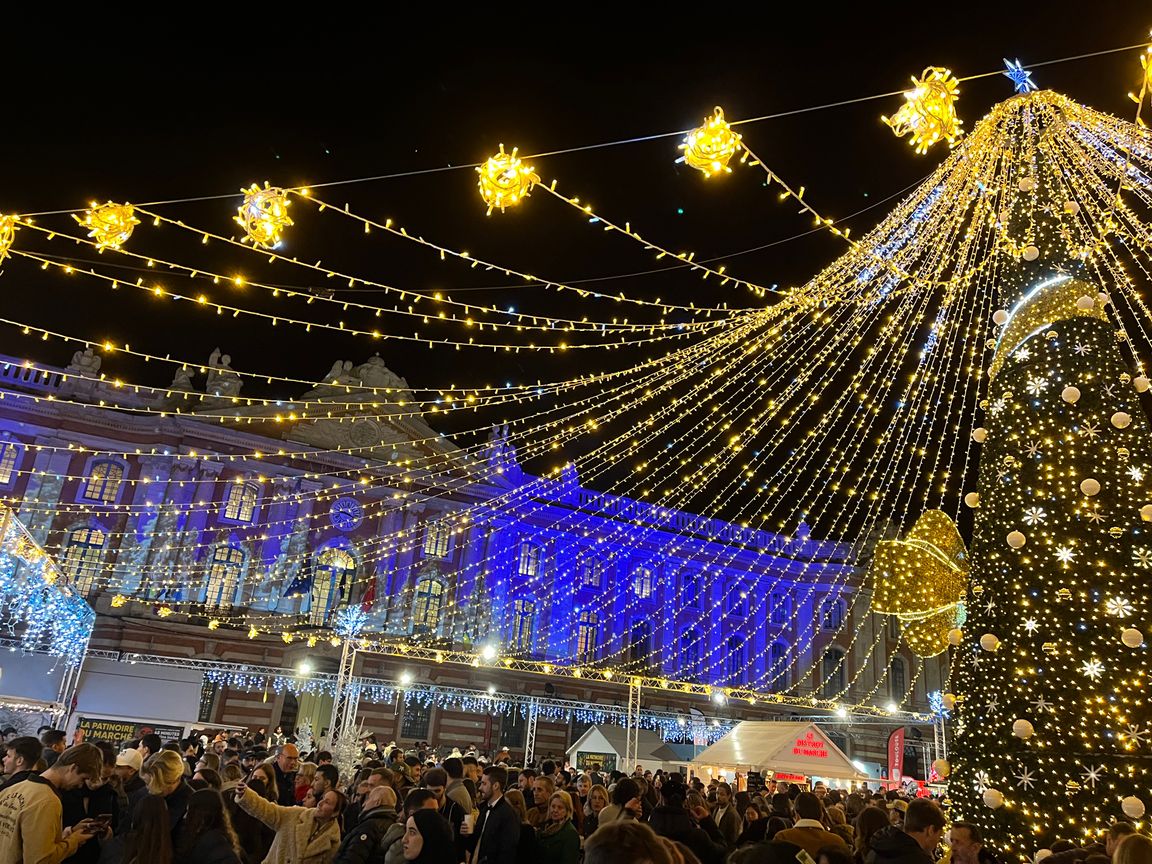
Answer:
[(1020, 77)]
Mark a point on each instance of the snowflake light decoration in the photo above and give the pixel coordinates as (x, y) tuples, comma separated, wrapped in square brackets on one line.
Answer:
[(1024, 779), (982, 781), (110, 225), (1035, 515), (263, 215), (1118, 607), (1036, 385), (1065, 555), (1092, 775), (710, 147), (929, 110), (1093, 669), (1142, 557), (1135, 734)]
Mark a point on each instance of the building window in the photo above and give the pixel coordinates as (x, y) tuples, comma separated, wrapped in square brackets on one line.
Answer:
[(893, 627), (437, 535), (10, 453), (690, 590), (781, 608), (523, 619), (591, 574), (737, 659), (530, 558), (832, 672), (417, 719), (737, 604), (331, 582), (240, 502), (831, 615), (224, 572), (513, 727), (586, 636), (778, 672), (426, 608), (640, 643), (897, 679), (83, 555), (690, 654), (103, 483), (642, 584)]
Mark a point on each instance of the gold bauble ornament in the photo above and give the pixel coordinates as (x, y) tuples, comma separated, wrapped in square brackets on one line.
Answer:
[(263, 215), (110, 225), (989, 642), (505, 180), (710, 147), (929, 110), (1132, 638), (9, 225)]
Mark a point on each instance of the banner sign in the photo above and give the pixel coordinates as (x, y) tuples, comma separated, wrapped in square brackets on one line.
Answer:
[(118, 732), (896, 756)]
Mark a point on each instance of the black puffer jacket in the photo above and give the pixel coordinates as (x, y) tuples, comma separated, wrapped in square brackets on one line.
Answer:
[(677, 824), (892, 846), (363, 842)]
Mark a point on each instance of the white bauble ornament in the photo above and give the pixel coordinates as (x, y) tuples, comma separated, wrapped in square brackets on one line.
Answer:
[(941, 767), (1132, 638), (972, 499), (1090, 486), (993, 798), (1023, 729), (1027, 184), (979, 434), (948, 700), (1102, 298), (1016, 539), (1085, 303), (1146, 512), (955, 636), (1133, 807), (1000, 317), (1121, 419), (1031, 253), (989, 642), (1041, 855), (1071, 208), (1070, 394), (1142, 383)]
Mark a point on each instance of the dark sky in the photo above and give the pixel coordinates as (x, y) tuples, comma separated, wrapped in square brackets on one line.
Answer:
[(205, 107)]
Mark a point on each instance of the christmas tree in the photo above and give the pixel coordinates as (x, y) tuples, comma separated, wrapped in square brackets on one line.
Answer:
[(1050, 674)]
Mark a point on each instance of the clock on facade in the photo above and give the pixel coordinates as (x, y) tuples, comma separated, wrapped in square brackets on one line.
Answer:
[(346, 514)]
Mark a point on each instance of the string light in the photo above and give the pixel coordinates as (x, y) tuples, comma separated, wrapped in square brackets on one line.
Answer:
[(264, 215), (110, 225), (711, 146), (9, 225), (929, 110), (504, 180)]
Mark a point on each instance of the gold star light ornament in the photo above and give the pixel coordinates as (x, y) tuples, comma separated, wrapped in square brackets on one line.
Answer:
[(264, 215), (710, 147), (922, 580), (929, 110), (110, 225), (9, 225), (505, 180)]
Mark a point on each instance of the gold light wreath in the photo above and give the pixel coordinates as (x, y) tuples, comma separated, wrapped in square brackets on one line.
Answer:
[(263, 215), (505, 180), (929, 110), (110, 225), (921, 580), (9, 225), (710, 147)]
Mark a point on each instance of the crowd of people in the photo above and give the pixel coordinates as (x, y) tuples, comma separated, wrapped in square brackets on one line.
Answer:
[(253, 798)]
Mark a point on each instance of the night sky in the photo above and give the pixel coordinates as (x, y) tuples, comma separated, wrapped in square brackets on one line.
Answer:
[(207, 107)]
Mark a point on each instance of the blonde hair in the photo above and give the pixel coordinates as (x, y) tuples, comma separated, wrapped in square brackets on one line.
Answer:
[(163, 772), (1133, 849), (306, 771), (565, 798), (598, 790)]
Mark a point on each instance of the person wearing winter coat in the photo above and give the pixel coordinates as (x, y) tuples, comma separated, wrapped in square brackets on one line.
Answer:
[(363, 842), (694, 828), (914, 842), (557, 840), (207, 836), (304, 835), (809, 832)]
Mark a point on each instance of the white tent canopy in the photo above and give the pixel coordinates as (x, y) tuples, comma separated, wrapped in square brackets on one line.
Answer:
[(791, 748)]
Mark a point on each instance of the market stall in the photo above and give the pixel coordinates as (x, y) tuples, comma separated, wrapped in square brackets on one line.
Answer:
[(796, 752)]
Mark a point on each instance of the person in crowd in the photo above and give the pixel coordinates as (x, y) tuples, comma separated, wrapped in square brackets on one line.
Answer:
[(525, 778), (967, 844), (255, 837), (725, 816), (285, 766), (838, 824), (870, 820), (1066, 852), (363, 841), (472, 775), (230, 775), (132, 788), (834, 855), (436, 782), (528, 850), (597, 801), (31, 814), (625, 842), (625, 802), (54, 742), (150, 839), (456, 790), (583, 787), (304, 835), (542, 790), (163, 774), (897, 810), (1133, 849), (95, 799), (208, 760), (689, 824), (915, 841), (150, 745), (428, 839), (776, 824), (558, 839), (809, 832), (20, 757), (327, 777), (393, 842), (206, 778), (305, 775), (207, 836), (755, 826), (497, 831)]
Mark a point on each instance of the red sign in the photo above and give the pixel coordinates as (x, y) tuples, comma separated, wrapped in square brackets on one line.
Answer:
[(810, 747), (896, 756), (784, 777)]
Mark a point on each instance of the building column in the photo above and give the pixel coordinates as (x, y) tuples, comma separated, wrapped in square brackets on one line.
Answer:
[(141, 530), (45, 482)]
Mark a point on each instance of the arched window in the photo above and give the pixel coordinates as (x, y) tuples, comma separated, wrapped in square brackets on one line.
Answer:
[(690, 654), (690, 589), (591, 574), (437, 535), (10, 453), (642, 584), (531, 556), (102, 485), (779, 674), (737, 659), (832, 672), (523, 621), (240, 501), (82, 556), (737, 602), (225, 570), (332, 577), (831, 615), (586, 623), (897, 678), (428, 599), (781, 608)]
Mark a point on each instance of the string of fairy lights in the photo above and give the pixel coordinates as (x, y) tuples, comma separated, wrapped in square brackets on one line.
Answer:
[(879, 293)]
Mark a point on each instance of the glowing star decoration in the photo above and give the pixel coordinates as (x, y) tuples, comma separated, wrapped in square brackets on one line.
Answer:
[(110, 225), (1093, 669), (8, 228), (118, 601), (929, 110), (505, 180), (710, 147), (264, 215), (1020, 77)]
